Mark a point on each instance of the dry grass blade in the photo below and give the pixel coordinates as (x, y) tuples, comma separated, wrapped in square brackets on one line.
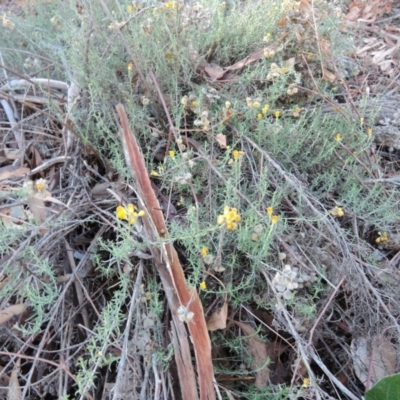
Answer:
[(172, 275)]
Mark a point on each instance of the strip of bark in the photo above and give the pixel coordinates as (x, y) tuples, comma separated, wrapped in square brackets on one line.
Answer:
[(178, 293)]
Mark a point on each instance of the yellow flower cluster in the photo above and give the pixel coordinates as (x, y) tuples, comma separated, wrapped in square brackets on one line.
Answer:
[(230, 217), (274, 218), (382, 238), (276, 71), (236, 154), (337, 211), (129, 214)]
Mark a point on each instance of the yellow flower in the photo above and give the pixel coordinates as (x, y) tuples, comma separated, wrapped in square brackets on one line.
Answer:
[(362, 119), (277, 114), (259, 116), (204, 251), (369, 130), (128, 213), (172, 5), (382, 238), (195, 103), (270, 210), (236, 154), (203, 285), (40, 185), (306, 383), (228, 104), (265, 109), (171, 153), (275, 219), (267, 37), (256, 104), (338, 137), (337, 211), (129, 7), (130, 66), (154, 173), (229, 218)]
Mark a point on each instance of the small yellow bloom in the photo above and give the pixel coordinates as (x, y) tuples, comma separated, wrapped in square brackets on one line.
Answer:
[(265, 109), (369, 130), (362, 119), (382, 238), (277, 114), (128, 213), (337, 211), (236, 154), (270, 210), (267, 37), (338, 137), (203, 285), (259, 116), (129, 7), (256, 104), (154, 173), (228, 104), (171, 154), (275, 219), (229, 218), (306, 383), (40, 185), (204, 251), (195, 103), (130, 66)]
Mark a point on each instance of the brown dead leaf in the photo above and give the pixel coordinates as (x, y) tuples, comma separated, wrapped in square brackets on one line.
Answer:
[(11, 154), (328, 75), (38, 209), (14, 388), (374, 357), (258, 352), (11, 171), (11, 311), (221, 139), (217, 319), (214, 71)]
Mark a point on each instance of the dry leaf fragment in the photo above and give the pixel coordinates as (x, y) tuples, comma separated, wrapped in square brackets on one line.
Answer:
[(11, 311), (11, 171), (221, 139), (376, 362), (14, 390), (328, 75), (217, 319), (214, 71), (258, 352)]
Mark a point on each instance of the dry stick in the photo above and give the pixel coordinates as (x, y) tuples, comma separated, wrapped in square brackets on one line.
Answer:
[(171, 272), (324, 310), (124, 352), (310, 350)]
